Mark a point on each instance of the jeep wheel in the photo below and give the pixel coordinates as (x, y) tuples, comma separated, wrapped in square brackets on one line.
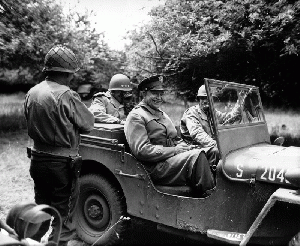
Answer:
[(100, 207), (295, 241)]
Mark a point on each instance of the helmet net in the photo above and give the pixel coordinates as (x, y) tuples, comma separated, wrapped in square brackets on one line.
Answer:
[(61, 59)]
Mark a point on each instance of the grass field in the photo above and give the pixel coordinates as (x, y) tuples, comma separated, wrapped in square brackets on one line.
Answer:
[(16, 183), (279, 121), (283, 122), (12, 112)]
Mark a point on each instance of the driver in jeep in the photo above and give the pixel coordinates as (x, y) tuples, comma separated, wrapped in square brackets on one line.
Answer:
[(153, 139), (196, 124)]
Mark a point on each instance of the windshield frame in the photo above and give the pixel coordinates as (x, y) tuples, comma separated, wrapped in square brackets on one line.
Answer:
[(232, 137), (211, 83)]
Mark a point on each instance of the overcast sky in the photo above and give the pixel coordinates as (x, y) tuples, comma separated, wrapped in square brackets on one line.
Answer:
[(115, 17)]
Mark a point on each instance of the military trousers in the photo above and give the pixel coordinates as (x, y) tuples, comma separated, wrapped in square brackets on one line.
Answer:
[(54, 185), (188, 168)]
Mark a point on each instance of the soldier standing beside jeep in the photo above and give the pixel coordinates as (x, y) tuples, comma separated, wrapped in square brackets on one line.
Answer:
[(153, 139), (55, 119), (114, 105)]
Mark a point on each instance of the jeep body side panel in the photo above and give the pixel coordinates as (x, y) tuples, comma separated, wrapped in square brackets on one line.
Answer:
[(143, 200), (140, 194), (112, 159), (231, 207), (235, 138)]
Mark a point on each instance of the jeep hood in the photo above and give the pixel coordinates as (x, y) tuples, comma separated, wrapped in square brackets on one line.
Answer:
[(264, 162)]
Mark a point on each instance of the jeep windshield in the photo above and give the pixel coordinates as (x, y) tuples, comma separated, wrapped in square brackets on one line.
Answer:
[(234, 104)]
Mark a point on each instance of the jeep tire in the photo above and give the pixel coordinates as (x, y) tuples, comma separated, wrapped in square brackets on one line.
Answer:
[(100, 206)]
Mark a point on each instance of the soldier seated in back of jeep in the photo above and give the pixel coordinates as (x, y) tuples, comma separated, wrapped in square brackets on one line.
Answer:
[(153, 139), (114, 105)]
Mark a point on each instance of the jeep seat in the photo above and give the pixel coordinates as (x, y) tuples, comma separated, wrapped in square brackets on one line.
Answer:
[(175, 190)]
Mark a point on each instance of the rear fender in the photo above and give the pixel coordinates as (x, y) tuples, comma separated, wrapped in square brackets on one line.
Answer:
[(123, 169)]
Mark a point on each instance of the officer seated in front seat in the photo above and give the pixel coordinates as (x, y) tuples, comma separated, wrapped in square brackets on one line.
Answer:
[(153, 139)]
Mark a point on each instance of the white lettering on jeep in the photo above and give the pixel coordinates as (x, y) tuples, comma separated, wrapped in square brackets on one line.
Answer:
[(268, 173), (273, 174), (239, 168)]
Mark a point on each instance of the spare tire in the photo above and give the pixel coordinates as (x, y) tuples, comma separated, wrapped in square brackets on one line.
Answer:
[(101, 210)]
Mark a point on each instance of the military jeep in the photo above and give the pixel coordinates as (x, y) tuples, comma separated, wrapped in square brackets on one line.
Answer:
[(256, 200)]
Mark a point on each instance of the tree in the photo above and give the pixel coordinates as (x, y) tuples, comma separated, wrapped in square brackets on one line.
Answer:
[(247, 41), (29, 28)]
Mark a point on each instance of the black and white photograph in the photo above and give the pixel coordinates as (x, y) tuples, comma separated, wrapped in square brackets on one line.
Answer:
[(149, 122)]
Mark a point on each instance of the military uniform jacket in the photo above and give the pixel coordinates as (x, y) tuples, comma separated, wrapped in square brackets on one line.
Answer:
[(55, 118), (152, 138), (107, 109), (196, 129)]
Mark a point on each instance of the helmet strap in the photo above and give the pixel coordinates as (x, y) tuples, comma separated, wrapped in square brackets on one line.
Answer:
[(118, 95)]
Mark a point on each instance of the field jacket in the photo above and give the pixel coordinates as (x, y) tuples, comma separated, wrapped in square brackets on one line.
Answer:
[(152, 138), (55, 118), (107, 109), (195, 127)]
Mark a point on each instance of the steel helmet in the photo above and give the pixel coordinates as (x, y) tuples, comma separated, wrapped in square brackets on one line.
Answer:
[(61, 59), (202, 92), (120, 82)]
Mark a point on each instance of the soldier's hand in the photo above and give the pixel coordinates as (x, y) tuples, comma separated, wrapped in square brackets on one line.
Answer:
[(181, 148), (7, 228), (182, 143), (194, 146), (242, 96)]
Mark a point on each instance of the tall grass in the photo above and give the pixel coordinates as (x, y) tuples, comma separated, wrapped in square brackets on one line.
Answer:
[(16, 183), (280, 122), (174, 111), (284, 123), (12, 112)]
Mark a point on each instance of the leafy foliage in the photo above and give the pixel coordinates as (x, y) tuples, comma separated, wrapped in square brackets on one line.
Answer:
[(247, 41), (29, 28)]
